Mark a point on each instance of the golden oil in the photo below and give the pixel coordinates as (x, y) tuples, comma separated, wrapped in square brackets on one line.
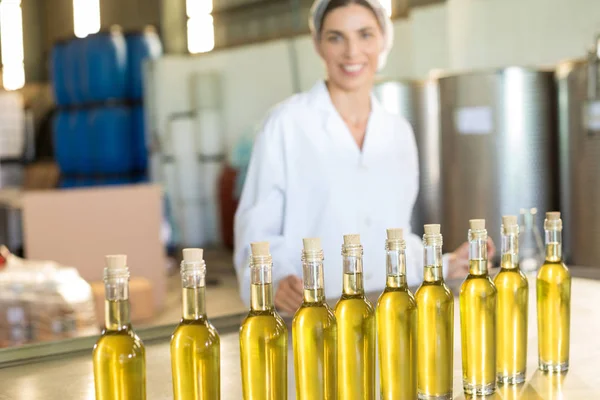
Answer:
[(195, 344), (396, 316), (478, 317), (553, 301), (356, 329), (263, 335), (119, 356), (511, 309), (435, 324), (314, 333)]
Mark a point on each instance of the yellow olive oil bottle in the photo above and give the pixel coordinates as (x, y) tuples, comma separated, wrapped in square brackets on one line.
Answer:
[(119, 356), (478, 317), (314, 332), (511, 309), (356, 328), (263, 335), (553, 301), (396, 316), (195, 344), (435, 324)]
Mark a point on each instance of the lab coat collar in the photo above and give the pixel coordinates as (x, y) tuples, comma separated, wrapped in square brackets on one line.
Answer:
[(333, 122)]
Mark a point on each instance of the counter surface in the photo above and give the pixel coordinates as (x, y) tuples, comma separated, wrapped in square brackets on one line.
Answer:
[(71, 377)]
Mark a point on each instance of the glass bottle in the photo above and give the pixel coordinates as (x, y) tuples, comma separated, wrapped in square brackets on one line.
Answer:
[(478, 317), (195, 344), (531, 248), (511, 311), (435, 324), (553, 301), (263, 335), (314, 332), (356, 328), (119, 356), (396, 316)]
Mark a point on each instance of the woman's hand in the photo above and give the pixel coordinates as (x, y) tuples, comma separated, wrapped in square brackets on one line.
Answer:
[(288, 297), (458, 264)]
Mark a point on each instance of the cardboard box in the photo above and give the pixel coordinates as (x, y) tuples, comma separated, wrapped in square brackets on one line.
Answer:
[(78, 227)]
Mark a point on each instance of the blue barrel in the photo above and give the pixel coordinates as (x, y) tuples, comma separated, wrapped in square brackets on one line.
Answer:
[(58, 73), (63, 127), (141, 46), (73, 71), (111, 139), (82, 143), (140, 147), (106, 66)]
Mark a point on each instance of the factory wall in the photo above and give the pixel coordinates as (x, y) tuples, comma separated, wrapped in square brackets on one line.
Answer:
[(455, 36)]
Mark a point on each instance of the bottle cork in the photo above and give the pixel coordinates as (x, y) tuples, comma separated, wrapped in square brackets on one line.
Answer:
[(351, 240), (477, 224), (553, 215), (395, 234), (312, 244), (509, 220), (432, 229), (193, 255), (260, 249), (116, 261)]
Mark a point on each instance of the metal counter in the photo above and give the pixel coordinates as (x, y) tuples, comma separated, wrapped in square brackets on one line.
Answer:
[(70, 376)]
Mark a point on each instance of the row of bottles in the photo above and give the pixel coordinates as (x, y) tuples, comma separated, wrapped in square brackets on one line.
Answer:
[(335, 350)]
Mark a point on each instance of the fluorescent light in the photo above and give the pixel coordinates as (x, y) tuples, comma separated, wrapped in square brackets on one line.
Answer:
[(200, 34), (13, 76), (86, 17), (11, 40), (195, 8)]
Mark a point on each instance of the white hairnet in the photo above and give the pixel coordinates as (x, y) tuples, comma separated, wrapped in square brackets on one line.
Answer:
[(316, 16)]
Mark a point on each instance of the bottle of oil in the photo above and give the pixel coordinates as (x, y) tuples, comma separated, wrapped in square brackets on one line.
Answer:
[(356, 329), (263, 335), (195, 345), (553, 301), (435, 324), (396, 326), (314, 333), (119, 355), (511, 310), (478, 317)]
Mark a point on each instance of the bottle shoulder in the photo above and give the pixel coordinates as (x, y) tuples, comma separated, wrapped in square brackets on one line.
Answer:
[(477, 285), (437, 289), (122, 342), (194, 329), (263, 323), (553, 272), (397, 297), (511, 277), (356, 303)]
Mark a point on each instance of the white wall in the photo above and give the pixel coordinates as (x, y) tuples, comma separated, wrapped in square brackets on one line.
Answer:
[(457, 35)]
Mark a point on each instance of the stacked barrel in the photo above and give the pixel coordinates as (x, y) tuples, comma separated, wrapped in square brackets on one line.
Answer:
[(99, 134)]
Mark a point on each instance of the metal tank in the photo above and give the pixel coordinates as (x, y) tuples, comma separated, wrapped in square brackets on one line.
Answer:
[(417, 101), (499, 152), (579, 132)]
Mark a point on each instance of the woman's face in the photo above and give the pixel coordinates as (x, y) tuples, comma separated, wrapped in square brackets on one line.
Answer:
[(350, 44)]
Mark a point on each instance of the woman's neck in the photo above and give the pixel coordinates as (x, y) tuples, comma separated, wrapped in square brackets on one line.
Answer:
[(354, 108)]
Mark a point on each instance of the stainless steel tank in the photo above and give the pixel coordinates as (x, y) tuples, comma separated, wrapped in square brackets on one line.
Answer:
[(579, 131), (417, 101), (498, 135)]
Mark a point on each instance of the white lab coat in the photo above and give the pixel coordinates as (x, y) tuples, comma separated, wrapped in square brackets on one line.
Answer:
[(308, 178)]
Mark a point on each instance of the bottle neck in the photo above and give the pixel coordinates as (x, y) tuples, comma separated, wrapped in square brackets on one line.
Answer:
[(396, 268), (193, 291), (353, 277), (510, 251), (312, 267), (116, 304), (432, 261), (478, 252), (553, 245), (261, 295)]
